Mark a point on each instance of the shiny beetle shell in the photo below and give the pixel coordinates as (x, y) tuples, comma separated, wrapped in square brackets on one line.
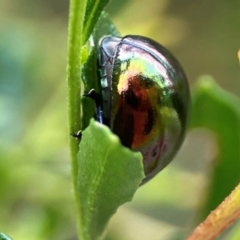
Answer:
[(145, 98)]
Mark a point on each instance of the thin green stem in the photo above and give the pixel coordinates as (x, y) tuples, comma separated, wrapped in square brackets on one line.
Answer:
[(76, 19)]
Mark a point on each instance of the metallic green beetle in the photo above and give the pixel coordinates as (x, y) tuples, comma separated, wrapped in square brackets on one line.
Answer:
[(145, 98)]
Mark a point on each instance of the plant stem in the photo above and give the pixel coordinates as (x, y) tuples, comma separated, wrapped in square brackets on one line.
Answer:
[(219, 219), (76, 19)]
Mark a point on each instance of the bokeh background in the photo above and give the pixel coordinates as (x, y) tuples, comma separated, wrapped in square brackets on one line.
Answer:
[(36, 200)]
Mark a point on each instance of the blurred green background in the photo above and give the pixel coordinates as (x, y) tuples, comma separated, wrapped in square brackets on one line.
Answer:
[(36, 200)]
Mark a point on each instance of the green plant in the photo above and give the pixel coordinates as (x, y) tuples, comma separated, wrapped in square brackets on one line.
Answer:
[(35, 190), (93, 213), (101, 185)]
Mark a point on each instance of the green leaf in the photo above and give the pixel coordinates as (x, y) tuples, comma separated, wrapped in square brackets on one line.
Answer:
[(219, 111), (4, 237), (104, 27), (89, 55), (109, 175), (90, 52), (93, 12)]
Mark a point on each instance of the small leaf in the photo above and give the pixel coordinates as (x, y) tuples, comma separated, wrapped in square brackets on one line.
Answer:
[(219, 111), (109, 175), (4, 237), (93, 12), (90, 53), (104, 27)]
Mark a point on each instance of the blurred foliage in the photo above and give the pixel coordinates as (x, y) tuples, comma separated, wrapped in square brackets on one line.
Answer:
[(4, 237), (36, 199), (219, 111)]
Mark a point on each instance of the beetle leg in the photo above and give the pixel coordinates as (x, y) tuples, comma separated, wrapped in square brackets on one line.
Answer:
[(98, 102), (93, 95), (77, 135)]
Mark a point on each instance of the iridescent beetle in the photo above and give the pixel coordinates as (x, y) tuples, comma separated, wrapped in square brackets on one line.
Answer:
[(145, 98)]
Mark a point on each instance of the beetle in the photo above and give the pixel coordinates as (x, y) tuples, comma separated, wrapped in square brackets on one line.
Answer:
[(144, 98)]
